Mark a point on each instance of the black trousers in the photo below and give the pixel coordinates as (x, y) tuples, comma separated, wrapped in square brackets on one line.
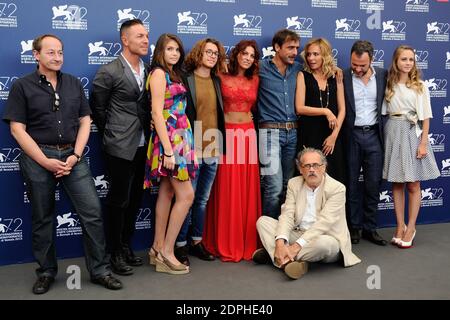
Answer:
[(124, 198)]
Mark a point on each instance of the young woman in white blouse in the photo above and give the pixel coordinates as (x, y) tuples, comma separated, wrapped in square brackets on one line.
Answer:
[(408, 157)]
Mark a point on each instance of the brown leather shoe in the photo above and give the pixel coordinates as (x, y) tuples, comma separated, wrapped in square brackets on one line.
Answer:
[(261, 256), (296, 269)]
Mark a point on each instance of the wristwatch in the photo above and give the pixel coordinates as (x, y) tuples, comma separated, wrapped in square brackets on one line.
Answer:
[(78, 156)]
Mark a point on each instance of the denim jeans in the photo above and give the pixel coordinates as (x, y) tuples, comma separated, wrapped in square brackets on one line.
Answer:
[(277, 148), (80, 187), (202, 184)]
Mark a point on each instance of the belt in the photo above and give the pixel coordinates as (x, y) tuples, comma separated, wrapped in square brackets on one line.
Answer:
[(278, 125), (57, 146), (366, 128)]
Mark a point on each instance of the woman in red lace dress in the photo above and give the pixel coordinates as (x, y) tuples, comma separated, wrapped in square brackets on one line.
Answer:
[(235, 201)]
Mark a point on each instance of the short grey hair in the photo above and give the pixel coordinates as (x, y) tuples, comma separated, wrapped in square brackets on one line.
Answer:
[(311, 150)]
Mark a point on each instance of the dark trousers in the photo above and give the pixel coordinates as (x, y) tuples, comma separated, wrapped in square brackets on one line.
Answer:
[(365, 150), (124, 198), (79, 185)]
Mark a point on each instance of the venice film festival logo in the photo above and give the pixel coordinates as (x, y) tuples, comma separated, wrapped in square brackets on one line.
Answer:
[(437, 141), (9, 159), (437, 87), (130, 14), (192, 22), (26, 53), (102, 185), (10, 229), (275, 2), (85, 83), (68, 225), (393, 30), (324, 3), (5, 86), (8, 18), (421, 59), (143, 219), (347, 29), (417, 6), (445, 170), (247, 25), (386, 201), (302, 26), (102, 52), (437, 31), (378, 58), (371, 5), (69, 17), (432, 197), (446, 117), (268, 52)]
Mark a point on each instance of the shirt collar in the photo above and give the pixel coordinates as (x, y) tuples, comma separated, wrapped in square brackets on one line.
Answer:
[(372, 76), (141, 64), (41, 77)]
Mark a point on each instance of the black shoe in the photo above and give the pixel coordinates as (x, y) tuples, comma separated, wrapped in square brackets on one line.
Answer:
[(374, 237), (200, 252), (108, 281), (261, 256), (119, 266), (130, 258), (181, 253), (42, 284), (355, 235)]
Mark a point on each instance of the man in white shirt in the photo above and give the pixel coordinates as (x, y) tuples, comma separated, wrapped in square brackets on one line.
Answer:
[(312, 226)]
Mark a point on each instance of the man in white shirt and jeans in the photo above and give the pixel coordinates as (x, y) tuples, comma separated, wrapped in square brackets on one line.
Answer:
[(312, 226)]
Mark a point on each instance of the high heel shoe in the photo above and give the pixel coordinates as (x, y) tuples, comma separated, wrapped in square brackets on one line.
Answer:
[(407, 244), (164, 265), (152, 254), (395, 241)]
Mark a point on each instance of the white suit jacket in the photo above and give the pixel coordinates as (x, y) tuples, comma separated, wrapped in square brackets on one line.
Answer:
[(330, 214)]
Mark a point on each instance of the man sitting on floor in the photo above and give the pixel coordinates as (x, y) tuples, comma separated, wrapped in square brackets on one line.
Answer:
[(312, 226)]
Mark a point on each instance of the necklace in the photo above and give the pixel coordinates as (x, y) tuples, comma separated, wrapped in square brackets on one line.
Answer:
[(320, 95)]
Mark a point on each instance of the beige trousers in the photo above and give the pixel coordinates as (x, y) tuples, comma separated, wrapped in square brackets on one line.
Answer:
[(324, 249)]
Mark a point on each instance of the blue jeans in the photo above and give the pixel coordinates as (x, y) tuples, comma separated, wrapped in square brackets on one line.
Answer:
[(277, 148), (80, 187), (202, 184)]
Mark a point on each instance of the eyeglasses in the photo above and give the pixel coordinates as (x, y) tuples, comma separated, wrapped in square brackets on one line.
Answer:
[(308, 166), (211, 53), (56, 102)]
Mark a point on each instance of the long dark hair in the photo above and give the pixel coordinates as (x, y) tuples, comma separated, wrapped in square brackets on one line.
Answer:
[(158, 56), (233, 66)]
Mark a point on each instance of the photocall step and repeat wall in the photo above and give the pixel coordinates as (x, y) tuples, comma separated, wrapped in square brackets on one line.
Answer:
[(89, 30)]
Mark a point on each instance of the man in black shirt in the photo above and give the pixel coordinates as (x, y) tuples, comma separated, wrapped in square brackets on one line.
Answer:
[(50, 119)]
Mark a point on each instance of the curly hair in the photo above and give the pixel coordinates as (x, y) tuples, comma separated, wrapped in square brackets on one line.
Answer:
[(158, 56), (328, 65), (195, 56), (233, 65), (394, 74)]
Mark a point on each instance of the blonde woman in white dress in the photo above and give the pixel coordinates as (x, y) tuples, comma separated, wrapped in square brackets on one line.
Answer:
[(408, 158)]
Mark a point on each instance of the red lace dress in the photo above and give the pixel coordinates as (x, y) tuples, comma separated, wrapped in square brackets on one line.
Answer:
[(235, 201)]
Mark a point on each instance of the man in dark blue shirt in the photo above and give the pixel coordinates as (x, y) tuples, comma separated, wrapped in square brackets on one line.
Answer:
[(277, 120), (50, 119)]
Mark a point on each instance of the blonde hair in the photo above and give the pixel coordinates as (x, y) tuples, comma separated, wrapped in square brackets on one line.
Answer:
[(328, 66), (394, 74)]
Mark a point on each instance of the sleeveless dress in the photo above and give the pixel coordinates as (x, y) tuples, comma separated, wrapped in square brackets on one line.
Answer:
[(180, 135), (313, 131), (235, 201)]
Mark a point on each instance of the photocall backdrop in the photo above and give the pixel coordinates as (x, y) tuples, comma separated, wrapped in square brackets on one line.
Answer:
[(89, 30)]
